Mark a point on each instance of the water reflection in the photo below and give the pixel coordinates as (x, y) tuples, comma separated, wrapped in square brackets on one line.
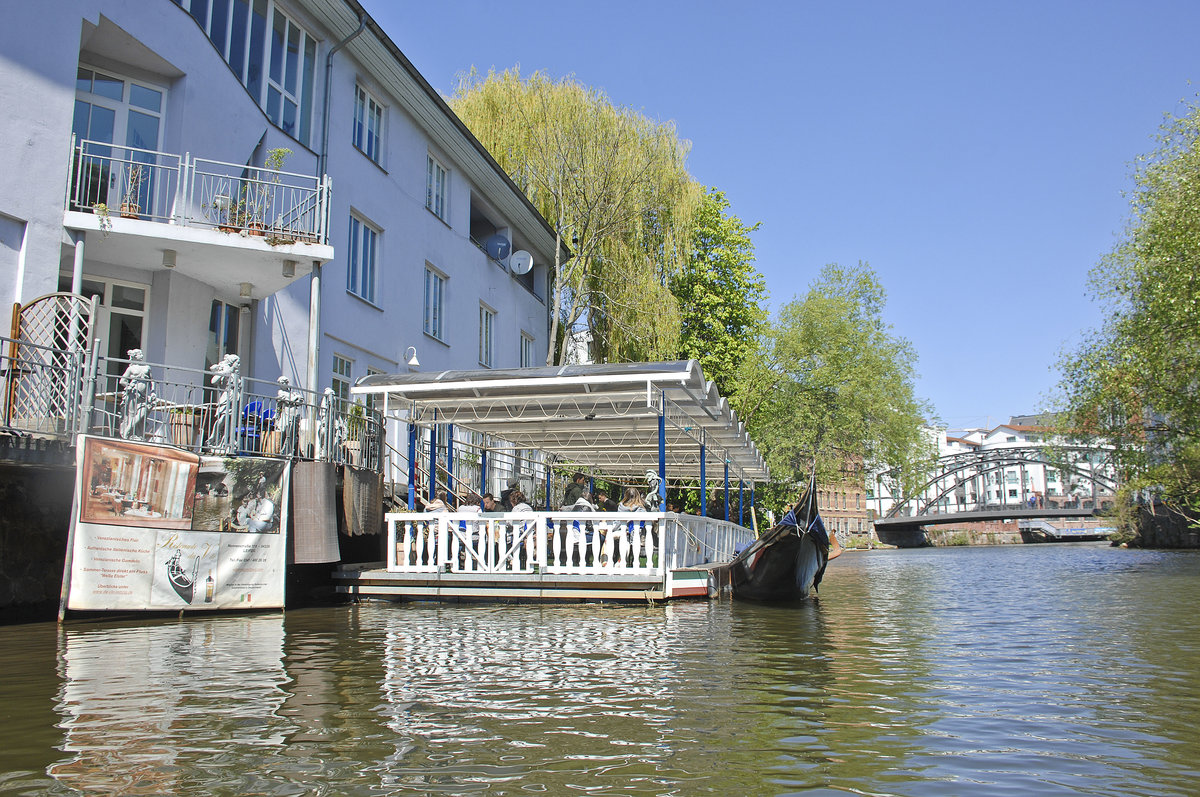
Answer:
[(1047, 670), (155, 709)]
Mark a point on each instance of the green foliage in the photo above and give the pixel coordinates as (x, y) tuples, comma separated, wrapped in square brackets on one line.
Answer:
[(722, 297), (1134, 381), (831, 384), (611, 180)]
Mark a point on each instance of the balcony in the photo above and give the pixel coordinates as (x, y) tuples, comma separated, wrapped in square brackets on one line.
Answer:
[(223, 224)]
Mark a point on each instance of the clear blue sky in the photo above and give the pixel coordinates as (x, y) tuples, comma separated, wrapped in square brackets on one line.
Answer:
[(974, 154)]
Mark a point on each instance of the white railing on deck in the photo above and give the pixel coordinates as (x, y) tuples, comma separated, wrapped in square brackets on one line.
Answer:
[(582, 543)]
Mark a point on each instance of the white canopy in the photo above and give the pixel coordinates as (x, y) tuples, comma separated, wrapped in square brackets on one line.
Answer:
[(603, 419)]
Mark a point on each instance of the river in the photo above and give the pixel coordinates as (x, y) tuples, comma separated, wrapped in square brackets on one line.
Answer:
[(1035, 669)]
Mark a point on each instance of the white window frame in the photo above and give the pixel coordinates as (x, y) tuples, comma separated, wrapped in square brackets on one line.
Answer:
[(437, 187), (487, 336), (362, 258), (527, 358), (342, 376), (367, 127), (435, 303)]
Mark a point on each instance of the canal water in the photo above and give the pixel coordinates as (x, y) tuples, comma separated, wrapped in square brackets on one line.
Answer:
[(1051, 669)]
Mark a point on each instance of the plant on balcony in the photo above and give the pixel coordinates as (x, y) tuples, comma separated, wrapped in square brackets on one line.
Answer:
[(259, 198), (130, 204), (101, 211)]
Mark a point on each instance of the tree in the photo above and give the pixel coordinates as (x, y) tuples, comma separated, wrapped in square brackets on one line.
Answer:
[(831, 385), (1133, 382), (722, 297), (613, 180)]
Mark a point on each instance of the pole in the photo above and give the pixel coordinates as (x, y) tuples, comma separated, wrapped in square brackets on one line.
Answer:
[(412, 467), (741, 502), (482, 474), (433, 458), (727, 491), (662, 455), (450, 458), (703, 485)]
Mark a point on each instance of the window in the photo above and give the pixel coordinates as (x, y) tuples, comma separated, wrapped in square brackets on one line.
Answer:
[(360, 274), (527, 355), (435, 294), (240, 32), (368, 123), (374, 400), (342, 369), (435, 188), (222, 332), (121, 317), (487, 324)]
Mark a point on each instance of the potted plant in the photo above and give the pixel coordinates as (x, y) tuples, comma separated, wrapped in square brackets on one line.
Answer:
[(130, 202), (356, 429), (184, 423), (101, 211), (259, 198)]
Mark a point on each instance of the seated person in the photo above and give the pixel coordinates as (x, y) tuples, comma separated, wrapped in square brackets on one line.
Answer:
[(632, 501), (438, 504), (519, 504), (575, 489), (489, 505)]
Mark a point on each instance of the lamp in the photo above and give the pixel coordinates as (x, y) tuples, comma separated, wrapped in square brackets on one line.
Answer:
[(246, 288), (289, 268), (168, 260), (411, 355)]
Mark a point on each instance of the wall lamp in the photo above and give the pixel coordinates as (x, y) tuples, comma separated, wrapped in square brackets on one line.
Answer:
[(168, 260)]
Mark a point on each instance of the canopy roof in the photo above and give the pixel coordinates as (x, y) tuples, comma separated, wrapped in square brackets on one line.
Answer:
[(602, 419)]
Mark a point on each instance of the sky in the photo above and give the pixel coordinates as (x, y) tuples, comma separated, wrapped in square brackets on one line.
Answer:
[(975, 154)]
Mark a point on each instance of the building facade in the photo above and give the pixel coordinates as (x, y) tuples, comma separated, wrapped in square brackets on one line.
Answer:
[(266, 178)]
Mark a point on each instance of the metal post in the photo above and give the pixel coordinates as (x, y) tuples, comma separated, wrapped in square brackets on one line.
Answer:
[(548, 485), (482, 474), (727, 491), (450, 458), (314, 327), (662, 455), (703, 485), (741, 502), (412, 466), (433, 458)]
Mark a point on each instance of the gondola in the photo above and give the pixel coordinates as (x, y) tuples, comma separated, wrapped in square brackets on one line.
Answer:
[(787, 562), (182, 582)]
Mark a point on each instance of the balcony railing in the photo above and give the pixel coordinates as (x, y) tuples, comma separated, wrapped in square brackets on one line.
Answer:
[(56, 393), (282, 207)]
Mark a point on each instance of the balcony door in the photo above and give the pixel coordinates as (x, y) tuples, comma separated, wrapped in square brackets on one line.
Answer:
[(120, 315), (111, 110)]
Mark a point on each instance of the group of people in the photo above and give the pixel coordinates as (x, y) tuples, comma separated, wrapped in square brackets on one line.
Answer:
[(576, 498)]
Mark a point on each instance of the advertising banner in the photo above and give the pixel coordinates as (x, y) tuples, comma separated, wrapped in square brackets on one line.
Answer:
[(162, 529)]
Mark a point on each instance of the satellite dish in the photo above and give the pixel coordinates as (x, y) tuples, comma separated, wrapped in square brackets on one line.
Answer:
[(497, 247), (521, 262)]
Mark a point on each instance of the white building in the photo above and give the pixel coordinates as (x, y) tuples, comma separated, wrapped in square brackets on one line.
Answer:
[(1004, 467), (177, 108)]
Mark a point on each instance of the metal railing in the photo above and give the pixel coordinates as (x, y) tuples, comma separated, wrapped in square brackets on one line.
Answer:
[(282, 207), (583, 543), (60, 393)]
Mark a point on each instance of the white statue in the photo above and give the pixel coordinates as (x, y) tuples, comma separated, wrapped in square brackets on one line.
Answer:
[(137, 394), (287, 416), (653, 496), (226, 377)]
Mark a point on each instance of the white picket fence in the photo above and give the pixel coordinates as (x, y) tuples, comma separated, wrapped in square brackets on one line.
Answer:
[(582, 543)]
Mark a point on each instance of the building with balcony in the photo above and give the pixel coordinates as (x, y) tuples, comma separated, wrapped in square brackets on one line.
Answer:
[(266, 178)]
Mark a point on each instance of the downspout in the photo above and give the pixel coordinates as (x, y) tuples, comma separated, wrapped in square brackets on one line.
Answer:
[(314, 279)]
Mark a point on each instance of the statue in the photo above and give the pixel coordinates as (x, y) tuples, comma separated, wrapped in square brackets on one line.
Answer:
[(137, 395), (653, 496), (226, 378), (331, 428), (287, 416)]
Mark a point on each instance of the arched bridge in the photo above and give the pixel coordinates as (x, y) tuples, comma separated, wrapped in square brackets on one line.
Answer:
[(1008, 483)]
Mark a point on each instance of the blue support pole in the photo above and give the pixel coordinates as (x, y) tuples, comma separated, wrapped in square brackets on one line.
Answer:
[(752, 507), (412, 466), (450, 458), (741, 503), (433, 458), (662, 458), (547, 485), (726, 491), (703, 484), (482, 476)]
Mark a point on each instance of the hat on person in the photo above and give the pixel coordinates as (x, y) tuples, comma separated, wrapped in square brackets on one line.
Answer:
[(514, 483)]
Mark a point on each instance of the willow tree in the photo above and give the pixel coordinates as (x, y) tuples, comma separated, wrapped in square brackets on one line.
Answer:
[(831, 385), (612, 180), (1134, 382)]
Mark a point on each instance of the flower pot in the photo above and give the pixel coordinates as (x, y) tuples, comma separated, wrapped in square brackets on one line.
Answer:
[(184, 426), (130, 210)]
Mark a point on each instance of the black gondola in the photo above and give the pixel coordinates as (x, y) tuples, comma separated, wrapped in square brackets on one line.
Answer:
[(787, 562)]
